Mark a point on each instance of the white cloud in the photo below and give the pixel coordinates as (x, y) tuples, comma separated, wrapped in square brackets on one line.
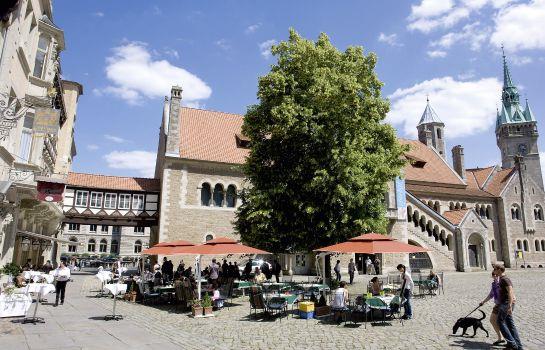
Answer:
[(265, 48), (172, 53), (437, 54), (389, 39), (134, 74), (223, 44), (466, 107), (98, 14), (473, 34), (426, 24), (141, 161), (92, 147), (467, 75), (430, 8), (252, 28), (520, 26), (520, 60), (115, 139)]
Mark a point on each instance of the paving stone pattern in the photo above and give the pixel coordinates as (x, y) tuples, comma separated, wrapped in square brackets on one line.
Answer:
[(164, 327)]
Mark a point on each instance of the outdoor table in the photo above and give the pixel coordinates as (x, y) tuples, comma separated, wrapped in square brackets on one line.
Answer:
[(31, 273), (115, 289), (387, 299), (14, 305), (320, 287), (291, 299), (274, 285), (41, 289), (103, 277), (242, 285)]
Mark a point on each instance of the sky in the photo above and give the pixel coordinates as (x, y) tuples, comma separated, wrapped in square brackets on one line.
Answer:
[(127, 54)]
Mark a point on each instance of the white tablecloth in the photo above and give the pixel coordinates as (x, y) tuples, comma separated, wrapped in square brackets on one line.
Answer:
[(116, 288), (43, 288), (14, 305), (104, 276), (29, 274)]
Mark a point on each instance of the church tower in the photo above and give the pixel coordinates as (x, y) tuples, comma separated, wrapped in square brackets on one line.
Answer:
[(516, 130), (431, 130)]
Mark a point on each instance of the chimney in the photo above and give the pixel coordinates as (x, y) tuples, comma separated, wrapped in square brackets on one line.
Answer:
[(173, 131), (458, 161)]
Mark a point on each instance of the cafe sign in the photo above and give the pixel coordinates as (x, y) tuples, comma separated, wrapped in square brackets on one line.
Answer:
[(50, 191), (46, 120)]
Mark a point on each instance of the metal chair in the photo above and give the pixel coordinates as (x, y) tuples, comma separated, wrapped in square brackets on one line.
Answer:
[(378, 304)]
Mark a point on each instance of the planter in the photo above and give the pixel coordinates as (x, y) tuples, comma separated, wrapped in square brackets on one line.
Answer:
[(196, 310), (132, 297), (207, 310), (322, 311)]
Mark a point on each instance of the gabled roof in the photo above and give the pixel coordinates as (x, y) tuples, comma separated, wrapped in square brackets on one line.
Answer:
[(107, 182), (480, 175), (435, 170), (456, 217), (211, 136), (499, 181)]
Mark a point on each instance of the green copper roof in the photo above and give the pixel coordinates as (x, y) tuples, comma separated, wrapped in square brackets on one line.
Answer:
[(429, 115), (528, 115), (510, 94)]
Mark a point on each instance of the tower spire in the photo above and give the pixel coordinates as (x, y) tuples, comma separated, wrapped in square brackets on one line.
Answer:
[(510, 94), (507, 82)]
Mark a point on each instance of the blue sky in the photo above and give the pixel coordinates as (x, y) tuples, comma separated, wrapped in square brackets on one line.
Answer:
[(127, 54)]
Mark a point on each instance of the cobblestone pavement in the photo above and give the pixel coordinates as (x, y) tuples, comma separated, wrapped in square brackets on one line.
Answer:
[(232, 328)]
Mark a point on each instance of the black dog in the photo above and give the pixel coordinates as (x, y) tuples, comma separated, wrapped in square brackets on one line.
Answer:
[(467, 322)]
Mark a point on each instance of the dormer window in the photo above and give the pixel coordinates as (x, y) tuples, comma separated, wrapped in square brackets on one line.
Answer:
[(242, 141), (415, 161)]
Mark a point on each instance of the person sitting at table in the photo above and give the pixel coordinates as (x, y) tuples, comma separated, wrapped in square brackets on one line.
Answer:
[(375, 286), (20, 280), (28, 266), (157, 278), (47, 267), (340, 300), (433, 282), (259, 277)]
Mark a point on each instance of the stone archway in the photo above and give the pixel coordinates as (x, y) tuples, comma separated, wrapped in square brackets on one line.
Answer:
[(419, 261), (476, 251)]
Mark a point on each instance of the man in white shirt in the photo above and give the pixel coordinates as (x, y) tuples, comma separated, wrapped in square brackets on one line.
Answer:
[(406, 293), (62, 275)]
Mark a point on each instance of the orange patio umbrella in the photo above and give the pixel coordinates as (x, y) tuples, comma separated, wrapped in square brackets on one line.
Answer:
[(168, 248), (372, 243)]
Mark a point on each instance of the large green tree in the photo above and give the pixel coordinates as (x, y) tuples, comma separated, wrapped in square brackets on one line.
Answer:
[(320, 155)]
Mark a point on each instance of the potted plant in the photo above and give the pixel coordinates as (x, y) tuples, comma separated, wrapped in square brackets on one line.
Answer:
[(11, 270), (207, 305), (132, 292), (196, 308)]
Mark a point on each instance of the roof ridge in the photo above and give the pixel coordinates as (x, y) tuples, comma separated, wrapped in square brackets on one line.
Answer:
[(213, 110), (117, 176)]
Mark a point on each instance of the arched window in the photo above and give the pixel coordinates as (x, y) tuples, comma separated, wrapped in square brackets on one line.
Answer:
[(526, 247), (205, 194), (208, 237), (114, 247), (458, 206), (231, 196), (482, 212), (449, 243), (218, 195), (439, 133), (543, 245), (537, 245), (137, 247), (437, 206), (91, 245), (515, 212), (451, 206), (538, 212), (72, 248), (103, 246), (464, 206), (519, 244), (493, 245), (488, 212)]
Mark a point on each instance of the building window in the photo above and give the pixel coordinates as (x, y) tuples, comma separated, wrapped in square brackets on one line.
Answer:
[(124, 201), (93, 228), (515, 212), (109, 200), (543, 245), (116, 230), (73, 227), (81, 198), (538, 213), (537, 246), (96, 200), (25, 145), (526, 247), (519, 244), (137, 247), (91, 245), (493, 245), (208, 238), (41, 53), (103, 246), (439, 133), (72, 248), (104, 228), (138, 201), (139, 229), (231, 196), (114, 247), (205, 194), (218, 195)]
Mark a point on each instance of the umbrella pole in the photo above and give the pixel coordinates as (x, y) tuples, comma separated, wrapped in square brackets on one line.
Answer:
[(198, 262)]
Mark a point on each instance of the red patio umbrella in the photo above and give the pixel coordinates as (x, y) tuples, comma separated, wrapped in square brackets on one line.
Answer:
[(372, 243), (168, 248)]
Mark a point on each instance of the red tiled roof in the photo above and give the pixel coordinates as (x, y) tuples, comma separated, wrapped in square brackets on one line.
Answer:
[(435, 170), (455, 217), (499, 180), (451, 191), (211, 136), (113, 182), (480, 174)]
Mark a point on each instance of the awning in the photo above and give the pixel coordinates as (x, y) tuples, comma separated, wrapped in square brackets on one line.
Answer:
[(44, 237)]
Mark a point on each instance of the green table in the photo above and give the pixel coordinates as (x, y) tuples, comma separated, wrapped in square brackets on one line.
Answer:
[(242, 285)]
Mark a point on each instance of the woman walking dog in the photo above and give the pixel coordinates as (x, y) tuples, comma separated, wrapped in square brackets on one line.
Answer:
[(495, 295)]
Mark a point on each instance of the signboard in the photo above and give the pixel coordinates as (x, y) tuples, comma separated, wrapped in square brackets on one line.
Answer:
[(50, 191), (46, 120), (401, 196)]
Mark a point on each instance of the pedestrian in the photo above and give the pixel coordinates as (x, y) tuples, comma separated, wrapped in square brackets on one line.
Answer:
[(351, 270), (376, 264), (247, 270), (368, 265), (181, 267), (47, 267), (337, 270), (214, 273), (266, 270), (276, 269), (406, 291), (495, 295), (224, 272), (505, 311), (236, 271), (62, 275)]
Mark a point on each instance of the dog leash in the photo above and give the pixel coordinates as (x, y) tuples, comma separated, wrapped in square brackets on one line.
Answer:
[(475, 309)]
